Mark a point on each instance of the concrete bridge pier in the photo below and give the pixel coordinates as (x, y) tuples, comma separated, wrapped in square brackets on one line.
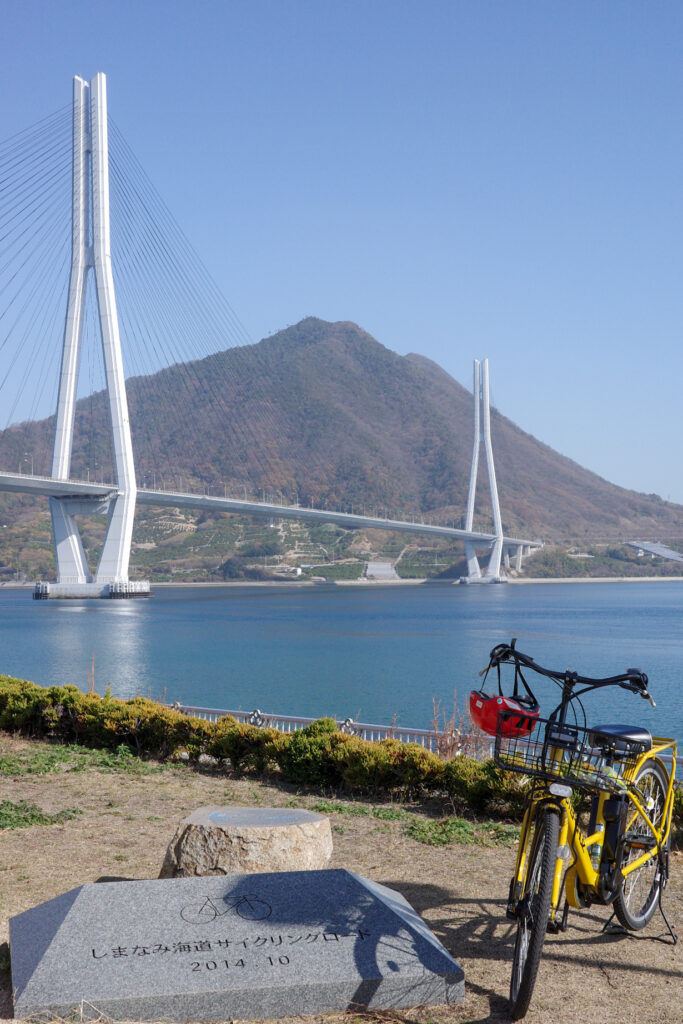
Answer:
[(473, 568), (519, 555), (492, 572), (513, 555)]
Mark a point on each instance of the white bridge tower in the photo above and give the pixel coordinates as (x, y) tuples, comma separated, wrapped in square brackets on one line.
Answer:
[(482, 421), (91, 251)]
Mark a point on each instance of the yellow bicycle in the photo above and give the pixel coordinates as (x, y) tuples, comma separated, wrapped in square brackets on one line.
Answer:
[(597, 818)]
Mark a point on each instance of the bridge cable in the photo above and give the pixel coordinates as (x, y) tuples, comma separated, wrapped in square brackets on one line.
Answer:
[(175, 276), (216, 332)]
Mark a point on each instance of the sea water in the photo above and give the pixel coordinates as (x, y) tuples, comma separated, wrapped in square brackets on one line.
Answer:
[(375, 653)]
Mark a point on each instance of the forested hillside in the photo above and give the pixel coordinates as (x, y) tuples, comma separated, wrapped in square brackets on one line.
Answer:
[(323, 413)]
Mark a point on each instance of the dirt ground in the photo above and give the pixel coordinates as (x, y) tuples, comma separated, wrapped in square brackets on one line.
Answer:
[(586, 976)]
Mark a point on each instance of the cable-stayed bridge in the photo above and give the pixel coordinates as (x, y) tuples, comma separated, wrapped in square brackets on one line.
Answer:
[(166, 302)]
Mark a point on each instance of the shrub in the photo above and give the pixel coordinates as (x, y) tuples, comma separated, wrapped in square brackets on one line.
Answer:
[(244, 746), (192, 734), (308, 756), (22, 705), (465, 782), (388, 765), (480, 786), (365, 767), (67, 714), (506, 792)]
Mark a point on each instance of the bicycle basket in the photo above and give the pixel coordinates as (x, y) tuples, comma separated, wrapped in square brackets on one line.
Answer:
[(568, 753)]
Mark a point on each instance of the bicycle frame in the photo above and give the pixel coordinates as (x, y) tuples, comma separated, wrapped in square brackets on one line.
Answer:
[(581, 880), (620, 768)]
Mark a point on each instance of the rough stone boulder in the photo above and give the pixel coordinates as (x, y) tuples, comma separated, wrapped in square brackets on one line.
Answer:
[(241, 840)]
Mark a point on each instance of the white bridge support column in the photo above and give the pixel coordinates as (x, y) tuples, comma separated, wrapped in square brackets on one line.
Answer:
[(113, 565), (482, 432), (72, 566), (473, 569), (91, 248), (493, 567)]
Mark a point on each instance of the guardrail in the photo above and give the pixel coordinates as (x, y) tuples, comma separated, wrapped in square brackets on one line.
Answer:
[(290, 723)]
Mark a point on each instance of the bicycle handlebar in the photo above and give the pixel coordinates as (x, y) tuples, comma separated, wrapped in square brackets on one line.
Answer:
[(632, 679)]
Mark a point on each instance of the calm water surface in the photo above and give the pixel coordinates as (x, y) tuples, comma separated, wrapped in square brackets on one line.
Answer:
[(371, 653)]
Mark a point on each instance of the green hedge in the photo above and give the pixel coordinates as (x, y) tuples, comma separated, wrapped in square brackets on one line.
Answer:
[(316, 755)]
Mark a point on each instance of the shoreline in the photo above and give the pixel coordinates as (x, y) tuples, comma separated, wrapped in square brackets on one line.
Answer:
[(598, 579), (290, 584)]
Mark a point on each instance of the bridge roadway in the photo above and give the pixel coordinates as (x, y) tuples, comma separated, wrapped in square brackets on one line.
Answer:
[(47, 487)]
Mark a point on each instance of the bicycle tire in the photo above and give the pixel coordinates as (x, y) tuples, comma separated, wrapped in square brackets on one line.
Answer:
[(533, 921), (638, 894)]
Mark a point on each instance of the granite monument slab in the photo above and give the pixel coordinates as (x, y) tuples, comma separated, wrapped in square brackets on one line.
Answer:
[(227, 947)]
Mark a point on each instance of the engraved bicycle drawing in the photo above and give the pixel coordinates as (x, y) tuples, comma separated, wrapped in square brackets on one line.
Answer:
[(247, 905)]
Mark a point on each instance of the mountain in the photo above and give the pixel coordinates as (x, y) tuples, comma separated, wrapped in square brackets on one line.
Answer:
[(325, 412)]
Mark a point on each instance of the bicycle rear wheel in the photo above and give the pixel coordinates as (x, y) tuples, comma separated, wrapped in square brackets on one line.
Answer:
[(534, 908), (636, 900)]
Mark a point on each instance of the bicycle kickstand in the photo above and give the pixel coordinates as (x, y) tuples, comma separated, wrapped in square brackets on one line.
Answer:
[(671, 929), (617, 929), (614, 929)]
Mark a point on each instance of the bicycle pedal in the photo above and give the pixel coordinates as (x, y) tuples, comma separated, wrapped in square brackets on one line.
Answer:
[(640, 842)]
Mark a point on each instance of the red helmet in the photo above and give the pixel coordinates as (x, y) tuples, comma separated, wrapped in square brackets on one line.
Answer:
[(486, 707)]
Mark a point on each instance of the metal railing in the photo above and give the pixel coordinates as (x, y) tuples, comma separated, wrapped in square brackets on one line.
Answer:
[(290, 723)]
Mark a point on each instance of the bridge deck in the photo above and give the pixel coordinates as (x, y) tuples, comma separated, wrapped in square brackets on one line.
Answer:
[(46, 486)]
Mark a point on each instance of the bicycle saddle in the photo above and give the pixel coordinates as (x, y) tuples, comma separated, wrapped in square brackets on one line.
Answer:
[(619, 737)]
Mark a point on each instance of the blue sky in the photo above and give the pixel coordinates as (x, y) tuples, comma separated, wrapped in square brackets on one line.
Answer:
[(461, 179)]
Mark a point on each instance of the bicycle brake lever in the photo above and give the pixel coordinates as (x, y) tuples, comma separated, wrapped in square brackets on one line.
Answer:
[(651, 701)]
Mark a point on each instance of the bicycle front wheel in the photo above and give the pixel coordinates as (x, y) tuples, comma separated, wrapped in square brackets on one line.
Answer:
[(534, 909), (636, 901)]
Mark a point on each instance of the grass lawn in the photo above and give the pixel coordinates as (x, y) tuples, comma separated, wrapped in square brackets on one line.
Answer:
[(73, 816)]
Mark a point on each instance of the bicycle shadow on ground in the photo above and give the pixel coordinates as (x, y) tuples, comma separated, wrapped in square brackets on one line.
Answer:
[(587, 931), (476, 929), (471, 928), (467, 926)]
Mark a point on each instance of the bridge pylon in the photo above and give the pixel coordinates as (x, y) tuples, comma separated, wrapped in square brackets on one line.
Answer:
[(482, 435), (91, 250)]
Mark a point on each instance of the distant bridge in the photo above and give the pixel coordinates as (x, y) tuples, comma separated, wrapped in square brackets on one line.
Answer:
[(91, 250)]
